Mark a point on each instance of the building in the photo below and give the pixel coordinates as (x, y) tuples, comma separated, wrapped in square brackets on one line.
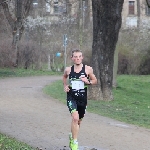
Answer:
[(135, 14)]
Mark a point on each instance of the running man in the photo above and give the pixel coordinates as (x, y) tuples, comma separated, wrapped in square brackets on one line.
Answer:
[(80, 76)]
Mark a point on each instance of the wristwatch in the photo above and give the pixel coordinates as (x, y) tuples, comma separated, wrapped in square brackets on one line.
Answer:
[(90, 82)]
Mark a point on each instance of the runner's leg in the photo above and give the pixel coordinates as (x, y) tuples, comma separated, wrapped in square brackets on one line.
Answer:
[(75, 125), (81, 112), (71, 103)]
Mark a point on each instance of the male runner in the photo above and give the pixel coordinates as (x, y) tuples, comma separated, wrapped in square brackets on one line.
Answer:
[(80, 76)]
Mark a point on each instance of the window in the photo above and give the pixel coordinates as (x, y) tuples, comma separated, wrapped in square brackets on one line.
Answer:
[(131, 7), (56, 2), (48, 6), (56, 10), (60, 7), (147, 10), (148, 3), (64, 5), (35, 2)]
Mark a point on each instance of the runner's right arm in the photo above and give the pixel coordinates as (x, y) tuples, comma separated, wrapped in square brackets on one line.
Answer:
[(65, 76)]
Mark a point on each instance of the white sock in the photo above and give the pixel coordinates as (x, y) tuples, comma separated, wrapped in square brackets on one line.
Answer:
[(75, 141)]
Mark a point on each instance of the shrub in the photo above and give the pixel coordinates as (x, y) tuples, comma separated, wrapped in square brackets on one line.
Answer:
[(144, 68)]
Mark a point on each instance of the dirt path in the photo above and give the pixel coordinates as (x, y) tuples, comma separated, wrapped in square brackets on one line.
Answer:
[(32, 117)]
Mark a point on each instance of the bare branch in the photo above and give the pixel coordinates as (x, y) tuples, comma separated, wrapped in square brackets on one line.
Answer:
[(7, 13), (27, 7), (3, 1)]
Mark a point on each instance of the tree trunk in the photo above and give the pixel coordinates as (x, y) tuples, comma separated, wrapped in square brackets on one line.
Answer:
[(138, 13), (106, 25), (21, 12), (86, 14), (115, 68), (80, 23)]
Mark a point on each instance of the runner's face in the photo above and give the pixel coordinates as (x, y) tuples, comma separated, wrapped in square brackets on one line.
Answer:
[(77, 58)]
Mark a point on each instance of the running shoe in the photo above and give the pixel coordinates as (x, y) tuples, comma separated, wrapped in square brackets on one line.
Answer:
[(74, 145), (70, 139)]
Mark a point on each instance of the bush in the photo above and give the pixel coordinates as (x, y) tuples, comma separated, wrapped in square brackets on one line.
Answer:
[(133, 47), (128, 61), (144, 68), (6, 53)]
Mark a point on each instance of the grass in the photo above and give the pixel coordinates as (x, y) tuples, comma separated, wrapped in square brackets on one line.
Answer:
[(6, 142), (131, 102), (6, 72)]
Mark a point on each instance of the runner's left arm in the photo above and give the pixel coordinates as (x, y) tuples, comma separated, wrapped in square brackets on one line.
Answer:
[(93, 79)]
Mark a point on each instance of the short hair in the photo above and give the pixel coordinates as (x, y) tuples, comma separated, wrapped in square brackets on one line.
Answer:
[(75, 50)]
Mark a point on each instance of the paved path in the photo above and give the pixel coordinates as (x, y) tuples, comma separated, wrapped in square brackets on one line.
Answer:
[(29, 115)]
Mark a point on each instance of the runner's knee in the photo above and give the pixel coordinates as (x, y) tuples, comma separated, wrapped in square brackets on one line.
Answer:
[(75, 117)]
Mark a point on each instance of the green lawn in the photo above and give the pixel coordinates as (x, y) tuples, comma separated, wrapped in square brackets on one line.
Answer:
[(131, 102), (8, 143), (6, 72)]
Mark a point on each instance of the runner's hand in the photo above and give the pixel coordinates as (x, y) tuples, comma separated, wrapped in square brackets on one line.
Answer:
[(66, 88), (84, 79)]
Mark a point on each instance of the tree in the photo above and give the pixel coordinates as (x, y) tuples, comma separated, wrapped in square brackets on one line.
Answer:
[(17, 16), (106, 25), (138, 13), (16, 12)]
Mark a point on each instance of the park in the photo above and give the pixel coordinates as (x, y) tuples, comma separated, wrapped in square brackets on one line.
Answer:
[(37, 38)]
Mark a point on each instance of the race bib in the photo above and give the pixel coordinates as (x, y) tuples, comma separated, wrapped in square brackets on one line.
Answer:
[(77, 85)]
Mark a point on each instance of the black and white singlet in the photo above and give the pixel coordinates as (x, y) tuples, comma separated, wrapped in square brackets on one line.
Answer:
[(78, 89)]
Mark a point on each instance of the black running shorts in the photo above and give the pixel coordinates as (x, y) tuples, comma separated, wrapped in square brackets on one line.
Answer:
[(73, 106)]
